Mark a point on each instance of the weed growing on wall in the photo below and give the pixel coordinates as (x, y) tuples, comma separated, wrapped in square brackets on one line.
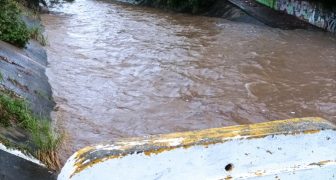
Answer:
[(1, 76), (14, 112), (36, 33), (193, 6)]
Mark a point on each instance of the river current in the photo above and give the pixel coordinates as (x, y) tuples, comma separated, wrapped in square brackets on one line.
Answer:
[(120, 70)]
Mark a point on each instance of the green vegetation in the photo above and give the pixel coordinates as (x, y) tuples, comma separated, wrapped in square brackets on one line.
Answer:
[(36, 33), (14, 112), (193, 6), (32, 4), (12, 28)]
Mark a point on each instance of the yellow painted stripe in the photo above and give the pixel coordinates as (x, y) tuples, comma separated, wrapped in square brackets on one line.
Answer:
[(89, 156)]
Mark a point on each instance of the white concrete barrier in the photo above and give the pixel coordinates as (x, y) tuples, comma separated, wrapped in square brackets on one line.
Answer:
[(289, 149)]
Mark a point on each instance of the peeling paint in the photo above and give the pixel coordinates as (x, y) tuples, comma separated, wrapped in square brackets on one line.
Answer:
[(322, 163), (204, 140)]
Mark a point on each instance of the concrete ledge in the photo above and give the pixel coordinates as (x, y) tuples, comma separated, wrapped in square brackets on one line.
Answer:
[(15, 165), (276, 148)]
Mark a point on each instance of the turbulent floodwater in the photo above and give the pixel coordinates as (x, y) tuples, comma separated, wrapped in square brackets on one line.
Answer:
[(118, 71)]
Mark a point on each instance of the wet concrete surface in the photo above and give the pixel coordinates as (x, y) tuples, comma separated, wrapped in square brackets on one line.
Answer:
[(15, 168), (23, 72)]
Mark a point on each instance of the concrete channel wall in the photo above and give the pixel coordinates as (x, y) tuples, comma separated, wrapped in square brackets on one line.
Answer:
[(312, 12), (23, 72)]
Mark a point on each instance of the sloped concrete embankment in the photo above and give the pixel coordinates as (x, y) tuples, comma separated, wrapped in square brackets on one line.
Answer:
[(23, 73)]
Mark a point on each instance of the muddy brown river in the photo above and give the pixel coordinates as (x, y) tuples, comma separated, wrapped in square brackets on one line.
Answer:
[(118, 71)]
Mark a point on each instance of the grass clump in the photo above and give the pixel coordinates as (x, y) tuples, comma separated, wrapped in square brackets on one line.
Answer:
[(1, 76), (37, 34), (12, 27), (15, 112)]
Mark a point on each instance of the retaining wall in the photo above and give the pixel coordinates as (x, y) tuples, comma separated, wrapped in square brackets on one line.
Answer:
[(23, 72), (312, 12)]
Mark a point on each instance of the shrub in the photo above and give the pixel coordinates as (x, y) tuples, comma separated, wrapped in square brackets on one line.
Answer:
[(192, 6), (12, 28)]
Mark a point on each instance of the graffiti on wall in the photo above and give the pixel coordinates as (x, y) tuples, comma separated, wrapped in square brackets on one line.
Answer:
[(268, 3), (308, 11), (332, 25)]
